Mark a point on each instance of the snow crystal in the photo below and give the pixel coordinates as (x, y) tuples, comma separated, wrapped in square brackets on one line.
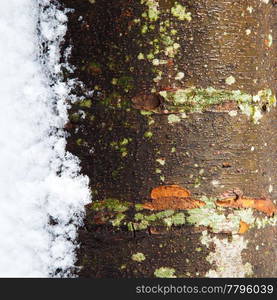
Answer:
[(32, 146)]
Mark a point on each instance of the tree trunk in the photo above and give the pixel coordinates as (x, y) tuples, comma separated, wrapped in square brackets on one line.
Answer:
[(183, 97)]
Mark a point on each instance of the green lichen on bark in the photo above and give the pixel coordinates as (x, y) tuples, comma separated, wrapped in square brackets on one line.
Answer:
[(165, 272), (198, 100), (113, 205), (216, 219)]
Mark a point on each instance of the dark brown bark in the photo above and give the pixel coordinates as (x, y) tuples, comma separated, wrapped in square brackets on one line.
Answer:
[(227, 45)]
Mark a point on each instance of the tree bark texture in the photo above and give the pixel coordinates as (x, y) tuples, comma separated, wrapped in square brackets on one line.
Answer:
[(175, 93)]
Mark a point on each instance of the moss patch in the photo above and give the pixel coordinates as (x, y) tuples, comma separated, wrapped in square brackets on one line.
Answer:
[(197, 100), (110, 204), (165, 272), (139, 257)]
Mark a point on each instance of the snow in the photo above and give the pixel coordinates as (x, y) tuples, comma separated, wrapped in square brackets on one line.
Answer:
[(38, 178)]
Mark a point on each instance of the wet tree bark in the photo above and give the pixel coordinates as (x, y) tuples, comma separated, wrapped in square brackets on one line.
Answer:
[(175, 93)]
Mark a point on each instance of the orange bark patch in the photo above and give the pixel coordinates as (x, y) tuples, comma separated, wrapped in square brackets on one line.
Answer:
[(174, 203), (264, 205), (243, 227), (172, 197), (169, 191)]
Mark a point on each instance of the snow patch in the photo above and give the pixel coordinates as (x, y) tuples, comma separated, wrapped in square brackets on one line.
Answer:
[(42, 194)]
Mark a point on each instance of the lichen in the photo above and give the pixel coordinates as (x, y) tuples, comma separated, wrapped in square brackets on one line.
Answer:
[(139, 207), (230, 80), (115, 100), (166, 217), (153, 9), (172, 118), (270, 40), (266, 221), (194, 99), (165, 272), (110, 204), (120, 146), (173, 150), (178, 219), (74, 117), (139, 257), (126, 82), (148, 134), (227, 258), (80, 142), (179, 11), (216, 219), (161, 161), (164, 43), (85, 103), (117, 220)]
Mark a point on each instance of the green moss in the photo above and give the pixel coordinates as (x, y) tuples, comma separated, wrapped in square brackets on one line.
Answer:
[(263, 222), (85, 103), (140, 56), (153, 9), (162, 178), (197, 182), (139, 207), (150, 121), (74, 117), (179, 11), (230, 80), (216, 218), (79, 142), (245, 215), (126, 82), (164, 42), (165, 272), (207, 215), (197, 100), (140, 226), (146, 113), (168, 217), (124, 154), (110, 204), (124, 141), (173, 119), (139, 217), (151, 218), (165, 214), (161, 161), (213, 217), (178, 219), (139, 257), (120, 146), (144, 28), (117, 220), (173, 149), (168, 222), (148, 134)]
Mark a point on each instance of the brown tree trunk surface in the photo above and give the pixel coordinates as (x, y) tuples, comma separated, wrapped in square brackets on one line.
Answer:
[(180, 94)]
